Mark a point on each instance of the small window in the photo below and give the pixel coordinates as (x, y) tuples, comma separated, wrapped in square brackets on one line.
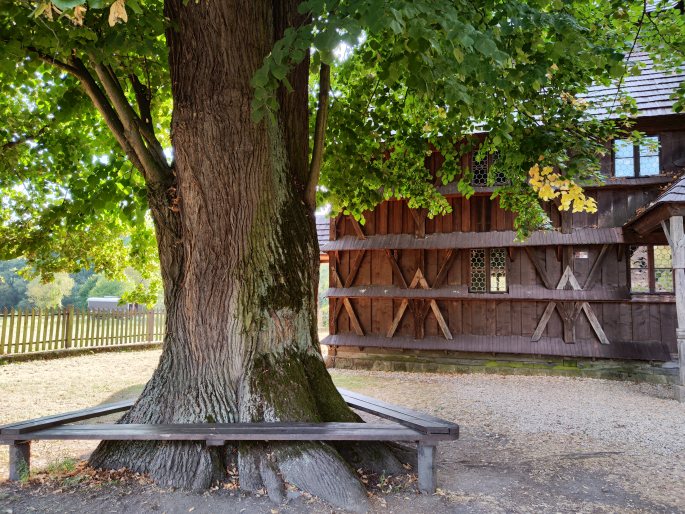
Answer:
[(481, 169), (632, 160), (650, 269), (488, 270)]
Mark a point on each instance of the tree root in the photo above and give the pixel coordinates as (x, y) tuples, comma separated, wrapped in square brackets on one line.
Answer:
[(186, 465)]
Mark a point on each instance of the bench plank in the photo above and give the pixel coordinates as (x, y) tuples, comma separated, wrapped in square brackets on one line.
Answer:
[(407, 425), (30, 425), (411, 418), (230, 432)]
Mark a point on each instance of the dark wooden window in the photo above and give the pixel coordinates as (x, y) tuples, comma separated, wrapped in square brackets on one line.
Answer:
[(631, 160), (481, 169), (488, 270), (650, 269)]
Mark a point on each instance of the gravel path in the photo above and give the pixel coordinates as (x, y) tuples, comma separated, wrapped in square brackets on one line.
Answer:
[(543, 444), (528, 444)]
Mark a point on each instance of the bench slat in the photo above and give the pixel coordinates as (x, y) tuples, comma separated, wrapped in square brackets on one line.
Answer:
[(30, 425), (231, 432), (424, 423), (411, 418)]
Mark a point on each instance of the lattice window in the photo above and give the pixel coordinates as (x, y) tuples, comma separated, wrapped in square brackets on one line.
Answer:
[(498, 270), (478, 271), (481, 169), (663, 270), (651, 269), (488, 270), (632, 160)]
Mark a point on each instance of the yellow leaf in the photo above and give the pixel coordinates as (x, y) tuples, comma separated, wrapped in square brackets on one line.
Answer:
[(79, 13), (117, 13)]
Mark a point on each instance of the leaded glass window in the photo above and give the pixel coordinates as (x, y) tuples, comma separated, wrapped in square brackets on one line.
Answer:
[(649, 157), (663, 270), (481, 169), (639, 269), (631, 160), (498, 270), (488, 270), (478, 272), (651, 269), (624, 158)]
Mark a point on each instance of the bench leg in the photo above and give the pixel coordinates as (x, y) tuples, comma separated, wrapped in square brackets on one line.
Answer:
[(426, 462), (20, 459)]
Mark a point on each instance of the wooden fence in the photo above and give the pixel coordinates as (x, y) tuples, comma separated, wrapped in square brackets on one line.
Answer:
[(34, 330)]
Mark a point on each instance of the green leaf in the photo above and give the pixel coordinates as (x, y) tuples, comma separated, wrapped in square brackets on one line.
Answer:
[(67, 4), (261, 77)]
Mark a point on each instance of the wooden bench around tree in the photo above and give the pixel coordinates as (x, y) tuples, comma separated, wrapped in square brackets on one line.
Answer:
[(405, 425)]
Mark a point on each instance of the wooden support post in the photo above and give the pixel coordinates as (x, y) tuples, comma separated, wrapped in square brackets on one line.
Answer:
[(426, 465), (567, 311), (20, 459), (675, 234), (680, 386)]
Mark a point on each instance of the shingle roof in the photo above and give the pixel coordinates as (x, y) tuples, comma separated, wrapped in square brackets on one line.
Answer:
[(649, 216), (652, 89), (674, 194)]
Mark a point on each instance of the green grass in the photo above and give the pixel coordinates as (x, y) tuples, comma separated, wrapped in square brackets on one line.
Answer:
[(351, 381), (61, 467)]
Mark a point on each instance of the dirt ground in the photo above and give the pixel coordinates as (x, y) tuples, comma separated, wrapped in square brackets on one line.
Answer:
[(528, 444)]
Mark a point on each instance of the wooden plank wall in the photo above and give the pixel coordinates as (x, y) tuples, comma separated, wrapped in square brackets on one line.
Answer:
[(621, 321), (642, 319)]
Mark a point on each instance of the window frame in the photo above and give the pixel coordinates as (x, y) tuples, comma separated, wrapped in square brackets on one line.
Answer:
[(651, 272), (488, 269), (636, 158)]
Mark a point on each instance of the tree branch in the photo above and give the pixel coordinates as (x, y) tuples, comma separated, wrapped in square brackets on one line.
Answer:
[(319, 135), (116, 127), (632, 49), (144, 100), (105, 109), (155, 168), (52, 61), (24, 139)]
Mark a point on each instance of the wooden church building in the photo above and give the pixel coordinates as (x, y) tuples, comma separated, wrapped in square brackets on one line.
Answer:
[(597, 286)]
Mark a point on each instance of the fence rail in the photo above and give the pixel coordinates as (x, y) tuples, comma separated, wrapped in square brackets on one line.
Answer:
[(34, 330)]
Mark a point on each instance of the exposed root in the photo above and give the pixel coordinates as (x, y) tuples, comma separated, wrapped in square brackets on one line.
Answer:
[(370, 456), (186, 465), (318, 469)]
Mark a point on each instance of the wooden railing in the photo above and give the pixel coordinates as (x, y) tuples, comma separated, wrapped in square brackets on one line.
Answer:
[(25, 331)]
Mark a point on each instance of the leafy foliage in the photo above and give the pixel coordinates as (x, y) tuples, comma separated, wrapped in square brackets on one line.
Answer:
[(417, 77), (43, 294), (72, 199)]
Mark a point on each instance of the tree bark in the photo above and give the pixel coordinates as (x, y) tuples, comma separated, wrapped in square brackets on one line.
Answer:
[(239, 261)]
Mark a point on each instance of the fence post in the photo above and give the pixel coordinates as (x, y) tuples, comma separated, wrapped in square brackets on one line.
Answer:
[(150, 325), (69, 326)]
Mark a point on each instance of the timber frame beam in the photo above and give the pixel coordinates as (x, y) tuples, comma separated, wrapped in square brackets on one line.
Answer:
[(420, 307), (569, 311)]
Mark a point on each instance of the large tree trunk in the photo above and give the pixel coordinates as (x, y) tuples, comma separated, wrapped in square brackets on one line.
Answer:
[(240, 267)]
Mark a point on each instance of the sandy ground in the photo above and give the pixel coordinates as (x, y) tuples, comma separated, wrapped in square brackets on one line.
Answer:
[(528, 444)]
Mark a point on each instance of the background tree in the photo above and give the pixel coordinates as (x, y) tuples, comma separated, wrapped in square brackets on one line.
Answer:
[(46, 295), (88, 147)]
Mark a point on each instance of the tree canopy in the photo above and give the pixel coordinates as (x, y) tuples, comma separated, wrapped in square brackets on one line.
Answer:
[(85, 102)]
